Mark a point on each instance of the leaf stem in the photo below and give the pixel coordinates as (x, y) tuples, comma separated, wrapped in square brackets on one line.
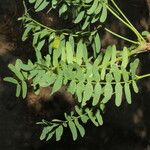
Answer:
[(143, 76), (125, 23), (135, 30), (121, 37)]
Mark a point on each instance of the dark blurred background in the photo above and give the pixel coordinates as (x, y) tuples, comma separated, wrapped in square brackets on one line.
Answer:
[(125, 128)]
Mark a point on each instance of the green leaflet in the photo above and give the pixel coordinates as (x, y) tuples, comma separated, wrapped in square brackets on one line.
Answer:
[(79, 17), (51, 37), (108, 91), (14, 81), (11, 80), (46, 79), (44, 33), (40, 45), (124, 58), (94, 19), (104, 14), (86, 23), (32, 1), (28, 67), (50, 135), (59, 132), (89, 72), (125, 75), (93, 7), (38, 55), (97, 93), (63, 9), (73, 129), (107, 56), (51, 79), (116, 73), (85, 53), (87, 94), (72, 42), (72, 87), (38, 77), (135, 87), (48, 60), (79, 53), (35, 38), (46, 130), (113, 56), (63, 55), (69, 52), (98, 9), (32, 74), (84, 118), (133, 67), (55, 58), (118, 94), (145, 33), (42, 6), (24, 89), (25, 74), (68, 74), (18, 90), (97, 43), (127, 92), (79, 127), (88, 1), (78, 110), (58, 84), (109, 77), (37, 4), (96, 74), (102, 107), (16, 72), (105, 61), (103, 72), (99, 117), (92, 117), (98, 60), (26, 32), (79, 91)]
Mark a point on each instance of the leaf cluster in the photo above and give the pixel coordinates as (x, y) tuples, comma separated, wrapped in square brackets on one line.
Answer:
[(92, 79)]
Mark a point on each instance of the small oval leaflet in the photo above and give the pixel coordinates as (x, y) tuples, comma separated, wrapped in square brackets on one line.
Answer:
[(87, 94), (59, 132), (42, 6), (80, 127), (79, 17), (93, 7), (57, 85), (127, 92), (99, 117), (108, 91), (118, 94), (69, 52), (97, 93), (73, 129), (104, 14)]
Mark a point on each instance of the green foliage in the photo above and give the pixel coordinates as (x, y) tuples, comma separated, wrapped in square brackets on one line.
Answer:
[(74, 59), (74, 121)]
